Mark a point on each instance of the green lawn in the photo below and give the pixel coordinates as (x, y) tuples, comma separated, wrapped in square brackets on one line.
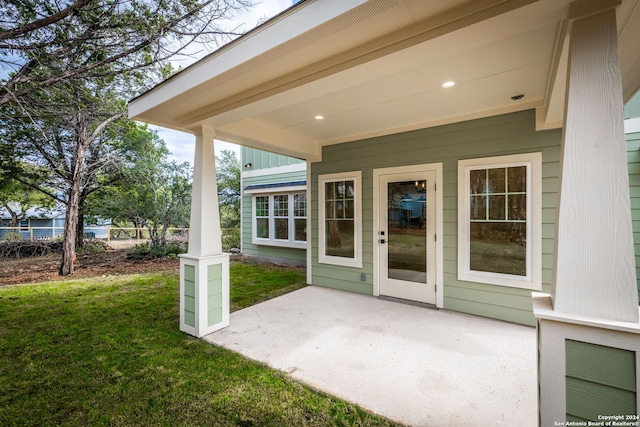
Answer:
[(108, 351)]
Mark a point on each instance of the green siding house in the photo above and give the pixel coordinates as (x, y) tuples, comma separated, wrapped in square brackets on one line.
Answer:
[(460, 155), (273, 208)]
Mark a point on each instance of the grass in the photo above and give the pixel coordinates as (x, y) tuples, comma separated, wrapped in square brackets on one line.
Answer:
[(251, 284), (108, 352)]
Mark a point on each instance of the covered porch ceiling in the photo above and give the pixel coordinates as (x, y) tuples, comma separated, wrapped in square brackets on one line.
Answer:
[(377, 67)]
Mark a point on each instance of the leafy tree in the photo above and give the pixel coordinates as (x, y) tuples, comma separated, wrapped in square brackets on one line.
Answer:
[(155, 193), (18, 198), (45, 42), (74, 144), (68, 64), (228, 179)]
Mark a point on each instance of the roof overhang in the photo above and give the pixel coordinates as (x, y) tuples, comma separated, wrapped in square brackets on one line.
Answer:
[(376, 67)]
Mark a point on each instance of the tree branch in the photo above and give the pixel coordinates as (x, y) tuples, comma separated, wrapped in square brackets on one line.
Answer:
[(23, 29)]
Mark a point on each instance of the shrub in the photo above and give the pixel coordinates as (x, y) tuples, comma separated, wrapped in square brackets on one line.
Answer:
[(147, 250), (92, 246), (12, 236), (231, 239), (139, 251), (26, 248)]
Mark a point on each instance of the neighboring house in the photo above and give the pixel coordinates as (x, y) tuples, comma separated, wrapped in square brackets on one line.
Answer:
[(274, 207), (40, 223), (467, 155), (43, 223)]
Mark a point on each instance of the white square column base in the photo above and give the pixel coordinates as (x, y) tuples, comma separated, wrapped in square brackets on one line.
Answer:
[(204, 294), (554, 331)]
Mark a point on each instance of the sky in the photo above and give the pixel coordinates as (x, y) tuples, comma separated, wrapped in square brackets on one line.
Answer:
[(182, 144)]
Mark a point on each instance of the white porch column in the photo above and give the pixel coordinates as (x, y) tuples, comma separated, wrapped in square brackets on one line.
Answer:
[(589, 323), (594, 273), (204, 269)]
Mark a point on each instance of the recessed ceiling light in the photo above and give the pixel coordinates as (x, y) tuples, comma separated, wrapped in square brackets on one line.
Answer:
[(448, 84), (319, 117)]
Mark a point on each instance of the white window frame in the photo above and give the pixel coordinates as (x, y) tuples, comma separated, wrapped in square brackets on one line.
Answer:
[(323, 258), (291, 242), (533, 279)]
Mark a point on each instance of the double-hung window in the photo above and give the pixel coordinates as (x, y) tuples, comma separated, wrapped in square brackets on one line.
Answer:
[(280, 219), (340, 222), (499, 220)]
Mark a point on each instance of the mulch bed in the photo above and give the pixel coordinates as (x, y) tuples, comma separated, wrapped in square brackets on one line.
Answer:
[(112, 262)]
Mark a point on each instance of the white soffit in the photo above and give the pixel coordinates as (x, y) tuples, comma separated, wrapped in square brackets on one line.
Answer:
[(376, 67)]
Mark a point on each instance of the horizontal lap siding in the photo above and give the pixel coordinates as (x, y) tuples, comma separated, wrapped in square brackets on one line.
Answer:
[(600, 380), (633, 160), (500, 135), (264, 160), (248, 247)]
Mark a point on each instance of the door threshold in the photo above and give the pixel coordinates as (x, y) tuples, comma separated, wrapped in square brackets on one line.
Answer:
[(408, 302)]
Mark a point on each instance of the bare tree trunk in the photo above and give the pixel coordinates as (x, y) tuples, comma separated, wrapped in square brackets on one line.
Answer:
[(70, 228), (73, 203), (80, 228)]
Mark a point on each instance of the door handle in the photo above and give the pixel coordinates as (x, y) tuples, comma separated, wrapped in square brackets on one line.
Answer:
[(382, 241)]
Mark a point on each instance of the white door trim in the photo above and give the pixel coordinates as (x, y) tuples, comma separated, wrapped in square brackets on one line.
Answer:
[(437, 168)]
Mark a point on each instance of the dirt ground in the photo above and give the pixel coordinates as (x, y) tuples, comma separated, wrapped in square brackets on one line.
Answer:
[(109, 263)]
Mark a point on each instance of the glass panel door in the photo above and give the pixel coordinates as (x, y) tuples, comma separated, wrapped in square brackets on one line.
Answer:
[(407, 231), (407, 236)]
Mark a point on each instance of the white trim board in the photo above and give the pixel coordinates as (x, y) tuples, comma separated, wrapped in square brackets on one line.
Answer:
[(632, 125), (298, 167), (283, 189)]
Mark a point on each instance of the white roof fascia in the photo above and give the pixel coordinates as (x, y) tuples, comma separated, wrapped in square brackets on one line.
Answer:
[(271, 34)]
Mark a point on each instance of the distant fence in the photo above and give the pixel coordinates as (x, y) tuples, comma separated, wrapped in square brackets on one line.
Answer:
[(95, 232)]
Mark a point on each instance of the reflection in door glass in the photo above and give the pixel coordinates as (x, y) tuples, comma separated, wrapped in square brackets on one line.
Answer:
[(407, 231)]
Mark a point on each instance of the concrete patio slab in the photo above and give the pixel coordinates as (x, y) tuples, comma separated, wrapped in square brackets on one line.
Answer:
[(415, 365)]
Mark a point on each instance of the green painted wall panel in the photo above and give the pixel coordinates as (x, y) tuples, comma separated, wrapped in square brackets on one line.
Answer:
[(189, 295), (190, 319), (548, 230), (214, 271), (214, 279), (548, 215), (494, 136), (634, 191), (632, 108), (189, 287), (633, 158), (214, 316), (572, 418), (343, 273), (260, 159), (609, 366), (214, 301), (520, 301), (599, 380), (190, 304), (587, 400), (214, 294), (190, 272), (342, 285), (494, 311), (634, 168)]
